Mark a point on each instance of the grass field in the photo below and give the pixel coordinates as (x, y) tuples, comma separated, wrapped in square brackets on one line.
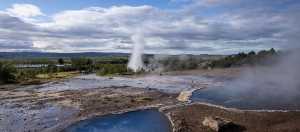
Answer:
[(58, 75)]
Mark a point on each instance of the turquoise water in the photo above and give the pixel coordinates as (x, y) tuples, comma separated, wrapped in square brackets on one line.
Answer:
[(138, 121)]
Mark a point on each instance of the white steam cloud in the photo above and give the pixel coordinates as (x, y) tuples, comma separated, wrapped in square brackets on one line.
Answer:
[(282, 78), (272, 86), (136, 61)]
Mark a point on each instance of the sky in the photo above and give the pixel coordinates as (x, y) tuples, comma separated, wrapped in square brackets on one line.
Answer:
[(168, 26)]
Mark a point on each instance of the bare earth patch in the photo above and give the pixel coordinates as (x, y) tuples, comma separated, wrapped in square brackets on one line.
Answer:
[(190, 118)]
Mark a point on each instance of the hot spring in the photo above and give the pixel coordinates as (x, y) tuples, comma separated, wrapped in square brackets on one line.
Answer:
[(275, 87), (137, 121), (227, 98)]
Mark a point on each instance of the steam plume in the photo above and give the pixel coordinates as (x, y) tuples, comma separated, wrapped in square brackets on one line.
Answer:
[(136, 62), (277, 85), (282, 78)]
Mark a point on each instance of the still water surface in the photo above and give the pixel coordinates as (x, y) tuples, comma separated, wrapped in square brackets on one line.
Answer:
[(231, 98), (137, 121)]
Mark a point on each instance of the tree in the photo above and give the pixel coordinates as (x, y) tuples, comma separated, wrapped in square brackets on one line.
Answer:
[(7, 73), (83, 64), (51, 68), (262, 57), (272, 51), (61, 61), (251, 53), (262, 53), (109, 69), (89, 62)]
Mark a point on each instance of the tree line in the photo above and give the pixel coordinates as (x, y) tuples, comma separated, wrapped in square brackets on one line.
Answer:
[(263, 57), (9, 73)]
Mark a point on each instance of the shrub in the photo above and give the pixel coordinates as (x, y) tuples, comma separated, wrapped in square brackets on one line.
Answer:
[(7, 73), (83, 64), (110, 69), (264, 57)]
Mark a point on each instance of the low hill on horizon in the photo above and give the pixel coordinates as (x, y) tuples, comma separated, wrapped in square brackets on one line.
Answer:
[(29, 55), (24, 55)]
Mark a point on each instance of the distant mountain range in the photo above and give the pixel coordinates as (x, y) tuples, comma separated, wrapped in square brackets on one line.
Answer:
[(20, 55), (27, 55)]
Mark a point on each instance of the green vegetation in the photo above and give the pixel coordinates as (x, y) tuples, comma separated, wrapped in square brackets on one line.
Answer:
[(61, 61), (31, 61), (179, 62), (189, 62), (7, 73), (27, 70), (112, 69), (111, 66), (57, 75), (185, 62), (84, 65), (45, 69), (261, 58)]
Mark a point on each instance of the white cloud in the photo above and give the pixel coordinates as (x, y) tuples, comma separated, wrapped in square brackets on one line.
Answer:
[(96, 17), (206, 2), (110, 29), (24, 10)]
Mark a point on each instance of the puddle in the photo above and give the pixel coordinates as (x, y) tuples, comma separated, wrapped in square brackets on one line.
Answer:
[(137, 121)]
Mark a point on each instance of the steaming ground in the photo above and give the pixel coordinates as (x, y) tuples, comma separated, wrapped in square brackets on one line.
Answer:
[(166, 83), (40, 107), (272, 87)]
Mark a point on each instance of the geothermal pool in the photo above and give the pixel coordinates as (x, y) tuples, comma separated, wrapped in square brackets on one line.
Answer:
[(137, 121), (212, 90), (232, 98), (165, 83)]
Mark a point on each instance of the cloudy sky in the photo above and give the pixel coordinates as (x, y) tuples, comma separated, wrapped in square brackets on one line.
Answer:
[(168, 26)]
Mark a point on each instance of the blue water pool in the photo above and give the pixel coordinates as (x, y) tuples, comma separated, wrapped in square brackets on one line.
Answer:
[(232, 98), (137, 121)]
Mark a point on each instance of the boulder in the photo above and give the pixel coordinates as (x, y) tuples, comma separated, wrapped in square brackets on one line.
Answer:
[(184, 96), (222, 125)]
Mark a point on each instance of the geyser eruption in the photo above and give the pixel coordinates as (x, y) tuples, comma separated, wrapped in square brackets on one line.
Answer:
[(136, 61)]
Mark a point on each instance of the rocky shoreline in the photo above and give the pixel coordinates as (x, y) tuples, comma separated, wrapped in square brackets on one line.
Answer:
[(28, 107), (187, 117)]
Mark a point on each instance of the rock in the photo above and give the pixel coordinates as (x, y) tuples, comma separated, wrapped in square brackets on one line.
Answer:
[(184, 96), (215, 123), (222, 125)]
